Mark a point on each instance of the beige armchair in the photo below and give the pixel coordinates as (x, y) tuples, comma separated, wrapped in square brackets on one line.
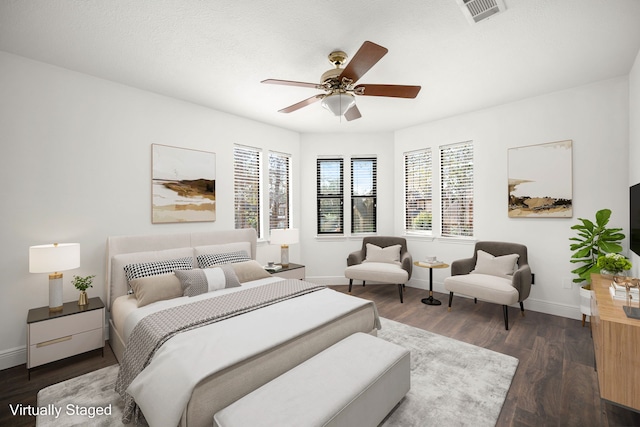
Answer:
[(499, 274), (382, 264)]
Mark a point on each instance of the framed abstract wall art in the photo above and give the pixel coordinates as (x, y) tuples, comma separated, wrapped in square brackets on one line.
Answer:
[(540, 180), (183, 185)]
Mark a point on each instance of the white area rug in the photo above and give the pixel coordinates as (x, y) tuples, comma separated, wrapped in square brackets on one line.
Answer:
[(452, 384)]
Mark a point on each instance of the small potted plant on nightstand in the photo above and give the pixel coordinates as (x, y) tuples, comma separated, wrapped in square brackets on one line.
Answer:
[(81, 284)]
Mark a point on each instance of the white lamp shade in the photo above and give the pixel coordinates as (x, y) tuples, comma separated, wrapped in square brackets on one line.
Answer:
[(338, 103), (53, 258), (285, 236)]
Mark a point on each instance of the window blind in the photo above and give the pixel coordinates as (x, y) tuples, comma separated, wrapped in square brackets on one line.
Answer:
[(417, 190), (279, 185), (246, 178), (330, 195), (456, 184), (363, 195)]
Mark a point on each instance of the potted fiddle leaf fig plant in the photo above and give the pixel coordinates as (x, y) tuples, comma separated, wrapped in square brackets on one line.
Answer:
[(82, 284), (594, 239)]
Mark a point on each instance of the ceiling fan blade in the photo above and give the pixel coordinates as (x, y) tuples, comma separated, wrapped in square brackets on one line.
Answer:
[(365, 58), (394, 91), (301, 104), (352, 113), (291, 83)]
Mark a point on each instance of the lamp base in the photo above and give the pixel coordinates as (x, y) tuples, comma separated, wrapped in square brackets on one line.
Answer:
[(55, 292), (284, 256)]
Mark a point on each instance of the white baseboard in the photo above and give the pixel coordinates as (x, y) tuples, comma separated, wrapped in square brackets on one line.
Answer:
[(13, 357), (540, 306)]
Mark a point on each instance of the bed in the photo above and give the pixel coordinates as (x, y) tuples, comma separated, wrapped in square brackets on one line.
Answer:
[(242, 358)]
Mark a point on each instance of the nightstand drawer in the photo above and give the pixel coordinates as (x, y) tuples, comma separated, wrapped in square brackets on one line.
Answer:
[(65, 326), (61, 347), (297, 273)]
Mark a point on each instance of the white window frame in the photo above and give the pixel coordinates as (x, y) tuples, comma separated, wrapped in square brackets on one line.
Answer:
[(270, 219), (250, 176), (426, 165), (357, 197), (458, 158)]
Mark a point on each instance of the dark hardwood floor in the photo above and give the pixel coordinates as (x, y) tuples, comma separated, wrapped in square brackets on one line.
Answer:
[(555, 383)]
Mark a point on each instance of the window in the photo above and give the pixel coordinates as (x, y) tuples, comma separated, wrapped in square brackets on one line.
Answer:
[(279, 198), (417, 191), (330, 196), (456, 186), (246, 177), (363, 195)]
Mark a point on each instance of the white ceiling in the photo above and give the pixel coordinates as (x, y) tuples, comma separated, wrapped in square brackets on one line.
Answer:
[(216, 52)]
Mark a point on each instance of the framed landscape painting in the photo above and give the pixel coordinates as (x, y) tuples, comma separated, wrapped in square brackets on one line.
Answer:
[(183, 185), (540, 182)]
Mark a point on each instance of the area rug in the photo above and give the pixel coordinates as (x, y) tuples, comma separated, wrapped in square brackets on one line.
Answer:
[(452, 384)]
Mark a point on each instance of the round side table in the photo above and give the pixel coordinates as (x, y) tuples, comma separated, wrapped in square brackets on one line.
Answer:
[(430, 300)]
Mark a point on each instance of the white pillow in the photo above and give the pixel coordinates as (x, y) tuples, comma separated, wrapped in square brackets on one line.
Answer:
[(496, 265), (390, 254)]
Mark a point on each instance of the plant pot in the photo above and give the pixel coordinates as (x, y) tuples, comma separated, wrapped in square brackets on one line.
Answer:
[(83, 300), (585, 303)]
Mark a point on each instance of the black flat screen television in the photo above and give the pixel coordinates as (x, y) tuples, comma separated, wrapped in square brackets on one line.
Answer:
[(634, 218)]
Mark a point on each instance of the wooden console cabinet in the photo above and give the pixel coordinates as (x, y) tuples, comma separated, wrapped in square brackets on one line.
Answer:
[(616, 341)]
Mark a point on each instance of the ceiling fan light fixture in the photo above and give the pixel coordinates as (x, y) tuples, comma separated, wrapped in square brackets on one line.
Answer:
[(338, 103)]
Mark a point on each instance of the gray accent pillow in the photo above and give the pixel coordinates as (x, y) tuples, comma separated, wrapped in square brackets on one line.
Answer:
[(199, 281)]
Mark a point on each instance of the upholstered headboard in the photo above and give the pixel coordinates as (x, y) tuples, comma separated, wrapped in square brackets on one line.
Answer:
[(157, 247)]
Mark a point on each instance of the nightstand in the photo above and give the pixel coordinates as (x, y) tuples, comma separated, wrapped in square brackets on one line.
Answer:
[(74, 330), (294, 271)]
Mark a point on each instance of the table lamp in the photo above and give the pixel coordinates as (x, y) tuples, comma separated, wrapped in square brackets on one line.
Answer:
[(284, 238), (56, 257)]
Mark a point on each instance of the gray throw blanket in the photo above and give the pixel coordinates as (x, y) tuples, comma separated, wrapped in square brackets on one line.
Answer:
[(153, 330)]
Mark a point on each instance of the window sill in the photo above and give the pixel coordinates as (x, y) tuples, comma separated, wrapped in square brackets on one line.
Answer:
[(458, 240)]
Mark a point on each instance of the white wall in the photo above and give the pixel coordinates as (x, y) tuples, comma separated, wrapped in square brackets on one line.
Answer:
[(75, 157), (75, 163), (634, 140), (595, 117), (326, 257)]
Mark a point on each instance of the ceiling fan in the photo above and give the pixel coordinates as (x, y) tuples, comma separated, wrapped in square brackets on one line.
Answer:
[(340, 86)]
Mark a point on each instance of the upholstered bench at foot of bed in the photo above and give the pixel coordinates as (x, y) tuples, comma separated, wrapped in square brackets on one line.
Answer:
[(355, 382)]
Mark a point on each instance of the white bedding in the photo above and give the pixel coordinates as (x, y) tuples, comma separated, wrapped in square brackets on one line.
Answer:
[(164, 387)]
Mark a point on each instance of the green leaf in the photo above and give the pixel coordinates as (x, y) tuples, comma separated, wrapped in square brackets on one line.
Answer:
[(609, 247), (602, 217)]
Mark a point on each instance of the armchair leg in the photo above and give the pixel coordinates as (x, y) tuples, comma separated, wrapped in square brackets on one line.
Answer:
[(400, 292), (475, 300), (450, 300), (350, 284), (363, 283), (522, 308), (506, 317)]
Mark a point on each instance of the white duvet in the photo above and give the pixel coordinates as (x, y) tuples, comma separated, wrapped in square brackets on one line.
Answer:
[(164, 387)]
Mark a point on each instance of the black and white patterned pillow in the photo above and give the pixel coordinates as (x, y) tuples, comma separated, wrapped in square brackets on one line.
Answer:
[(145, 269), (209, 260)]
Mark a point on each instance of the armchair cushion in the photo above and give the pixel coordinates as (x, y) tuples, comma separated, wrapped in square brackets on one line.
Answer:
[(501, 266), (377, 271), (485, 287), (390, 254)]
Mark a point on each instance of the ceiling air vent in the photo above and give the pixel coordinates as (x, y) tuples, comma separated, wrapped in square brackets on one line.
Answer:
[(479, 10)]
